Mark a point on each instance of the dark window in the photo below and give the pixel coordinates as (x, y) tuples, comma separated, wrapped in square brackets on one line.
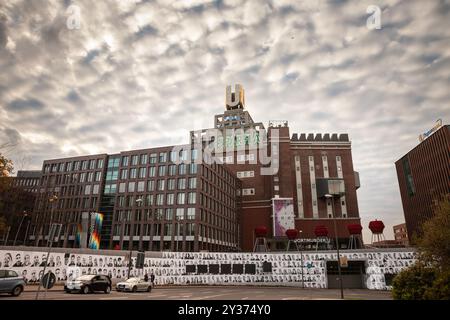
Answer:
[(408, 177), (238, 268), (202, 268)]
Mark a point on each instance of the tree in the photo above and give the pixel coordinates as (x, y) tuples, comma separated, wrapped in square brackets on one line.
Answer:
[(434, 244), (6, 169), (429, 278), (6, 166)]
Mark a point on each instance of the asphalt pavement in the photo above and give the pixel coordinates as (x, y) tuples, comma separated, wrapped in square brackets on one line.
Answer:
[(207, 293)]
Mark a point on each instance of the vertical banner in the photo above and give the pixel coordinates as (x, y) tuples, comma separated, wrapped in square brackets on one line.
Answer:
[(283, 216), (96, 227)]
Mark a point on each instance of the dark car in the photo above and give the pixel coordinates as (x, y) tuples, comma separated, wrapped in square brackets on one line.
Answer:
[(89, 283), (11, 282)]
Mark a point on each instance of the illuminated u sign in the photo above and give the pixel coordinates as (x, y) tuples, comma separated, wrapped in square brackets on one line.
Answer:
[(236, 99)]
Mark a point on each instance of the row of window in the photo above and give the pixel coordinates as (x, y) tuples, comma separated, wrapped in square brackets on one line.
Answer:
[(156, 214), (26, 182), (74, 166), (134, 173), (72, 178), (162, 157), (168, 229)]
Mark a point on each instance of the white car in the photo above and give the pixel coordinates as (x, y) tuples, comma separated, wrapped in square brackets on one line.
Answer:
[(134, 285)]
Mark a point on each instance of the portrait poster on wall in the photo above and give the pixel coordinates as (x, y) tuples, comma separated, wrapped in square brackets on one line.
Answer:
[(283, 216)]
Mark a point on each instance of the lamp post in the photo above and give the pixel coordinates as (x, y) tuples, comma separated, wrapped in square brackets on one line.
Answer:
[(25, 214), (53, 199), (301, 258), (138, 203), (179, 219), (329, 196)]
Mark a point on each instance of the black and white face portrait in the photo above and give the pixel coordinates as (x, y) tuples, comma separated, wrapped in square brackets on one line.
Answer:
[(7, 260)]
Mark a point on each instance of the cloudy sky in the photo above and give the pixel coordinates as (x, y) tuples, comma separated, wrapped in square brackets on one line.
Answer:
[(139, 74)]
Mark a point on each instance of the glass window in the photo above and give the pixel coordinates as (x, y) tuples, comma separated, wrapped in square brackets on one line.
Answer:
[(84, 165), (192, 197), (167, 229), (151, 185), (173, 156), (134, 160), (160, 199), (131, 186), (180, 213), (172, 170), (110, 188), (152, 171), (149, 199), (183, 155), (82, 177), (192, 183), (99, 163), (98, 176), (162, 171), (124, 161), (142, 172), (182, 169), (191, 213), (112, 174), (193, 168), (169, 214), (90, 176), (87, 189), (170, 199), (182, 183), (171, 184), (124, 174), (193, 154), (133, 173), (160, 185), (92, 164), (95, 189), (162, 157), (143, 159), (181, 198), (153, 157), (141, 186), (190, 229)]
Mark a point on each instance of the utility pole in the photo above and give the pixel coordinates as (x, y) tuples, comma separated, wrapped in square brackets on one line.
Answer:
[(329, 196), (53, 199)]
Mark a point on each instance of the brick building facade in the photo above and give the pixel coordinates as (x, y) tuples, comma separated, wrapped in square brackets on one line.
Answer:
[(170, 198)]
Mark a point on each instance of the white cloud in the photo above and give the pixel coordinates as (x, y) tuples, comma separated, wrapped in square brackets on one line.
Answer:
[(141, 74)]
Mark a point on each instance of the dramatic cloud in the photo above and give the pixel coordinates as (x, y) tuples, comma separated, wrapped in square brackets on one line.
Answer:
[(140, 74)]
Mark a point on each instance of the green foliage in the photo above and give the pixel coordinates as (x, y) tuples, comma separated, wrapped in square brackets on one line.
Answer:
[(429, 278), (412, 283), (434, 244), (6, 166)]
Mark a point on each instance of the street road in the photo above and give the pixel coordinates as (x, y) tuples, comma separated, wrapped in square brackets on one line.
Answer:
[(208, 293)]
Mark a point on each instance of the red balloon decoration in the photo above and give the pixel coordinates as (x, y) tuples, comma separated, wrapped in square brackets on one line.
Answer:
[(261, 231), (292, 234), (354, 228), (376, 226)]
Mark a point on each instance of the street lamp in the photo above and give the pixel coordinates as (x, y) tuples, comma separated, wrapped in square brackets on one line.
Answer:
[(25, 214), (138, 203), (52, 231), (301, 257), (329, 196), (178, 218)]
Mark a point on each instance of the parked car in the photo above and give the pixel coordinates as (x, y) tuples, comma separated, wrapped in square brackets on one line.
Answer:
[(134, 285), (11, 282), (89, 283)]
